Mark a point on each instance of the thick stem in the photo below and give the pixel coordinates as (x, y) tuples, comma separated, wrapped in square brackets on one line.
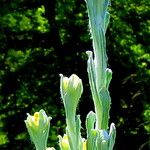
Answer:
[(98, 21)]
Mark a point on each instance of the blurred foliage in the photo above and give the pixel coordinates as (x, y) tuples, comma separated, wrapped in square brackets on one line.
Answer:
[(40, 39), (28, 20)]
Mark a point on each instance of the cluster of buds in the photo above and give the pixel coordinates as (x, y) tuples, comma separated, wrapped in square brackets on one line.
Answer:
[(98, 136)]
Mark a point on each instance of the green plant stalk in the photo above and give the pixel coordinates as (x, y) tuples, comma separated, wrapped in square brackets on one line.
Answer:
[(99, 74), (71, 89), (98, 137)]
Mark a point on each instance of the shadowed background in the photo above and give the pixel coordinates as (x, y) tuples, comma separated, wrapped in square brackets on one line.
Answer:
[(41, 38)]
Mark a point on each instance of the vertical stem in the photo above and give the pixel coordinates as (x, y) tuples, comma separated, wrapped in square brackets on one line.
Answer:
[(97, 68)]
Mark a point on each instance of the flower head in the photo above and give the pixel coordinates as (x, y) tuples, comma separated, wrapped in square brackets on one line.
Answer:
[(38, 127), (71, 86), (71, 89)]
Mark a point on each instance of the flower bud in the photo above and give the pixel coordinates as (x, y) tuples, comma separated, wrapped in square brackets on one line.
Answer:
[(112, 135), (38, 127), (64, 143), (71, 89)]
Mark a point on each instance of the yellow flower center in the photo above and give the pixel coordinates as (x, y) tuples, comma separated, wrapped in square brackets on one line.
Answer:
[(65, 82), (36, 118)]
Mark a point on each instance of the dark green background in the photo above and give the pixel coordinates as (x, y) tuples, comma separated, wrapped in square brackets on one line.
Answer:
[(41, 38)]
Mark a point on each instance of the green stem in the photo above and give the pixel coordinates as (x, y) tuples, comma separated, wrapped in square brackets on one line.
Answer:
[(98, 21)]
